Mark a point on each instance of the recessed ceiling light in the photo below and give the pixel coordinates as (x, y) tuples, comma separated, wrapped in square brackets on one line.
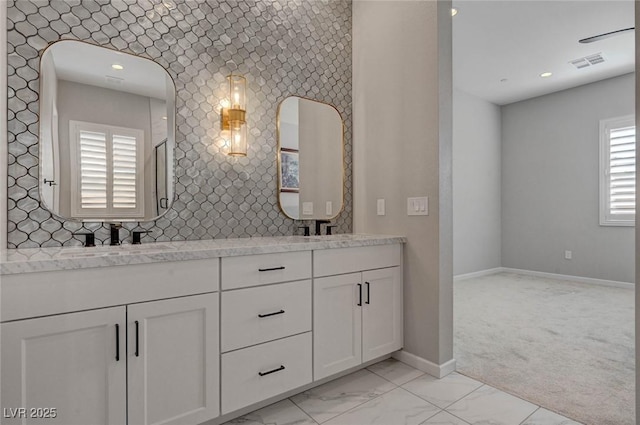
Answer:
[(546, 74), (164, 118), (454, 11), (117, 67)]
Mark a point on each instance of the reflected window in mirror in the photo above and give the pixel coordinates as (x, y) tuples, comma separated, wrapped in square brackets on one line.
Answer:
[(310, 159), (103, 115), (108, 181)]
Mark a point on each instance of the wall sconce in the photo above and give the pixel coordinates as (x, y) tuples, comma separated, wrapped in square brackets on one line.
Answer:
[(233, 118)]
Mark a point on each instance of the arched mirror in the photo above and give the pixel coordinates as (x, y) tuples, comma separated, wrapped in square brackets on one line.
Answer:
[(310, 159), (106, 134)]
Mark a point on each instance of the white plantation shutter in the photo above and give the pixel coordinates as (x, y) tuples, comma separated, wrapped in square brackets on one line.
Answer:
[(618, 176), (125, 171), (108, 183), (93, 169)]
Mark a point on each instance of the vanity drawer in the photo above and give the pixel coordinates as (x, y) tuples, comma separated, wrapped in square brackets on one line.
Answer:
[(328, 262), (253, 270), (255, 315), (257, 373)]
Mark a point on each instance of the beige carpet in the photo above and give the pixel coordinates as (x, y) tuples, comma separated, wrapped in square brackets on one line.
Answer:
[(566, 346)]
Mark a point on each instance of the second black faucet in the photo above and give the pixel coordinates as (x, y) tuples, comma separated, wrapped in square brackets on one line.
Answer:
[(115, 233), (318, 228)]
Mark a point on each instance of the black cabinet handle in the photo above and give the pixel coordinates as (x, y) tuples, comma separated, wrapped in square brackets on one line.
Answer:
[(368, 293), (359, 294), (137, 340), (271, 371), (271, 314), (117, 342), (271, 269)]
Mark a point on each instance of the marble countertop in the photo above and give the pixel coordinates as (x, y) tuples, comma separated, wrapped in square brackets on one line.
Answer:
[(15, 261)]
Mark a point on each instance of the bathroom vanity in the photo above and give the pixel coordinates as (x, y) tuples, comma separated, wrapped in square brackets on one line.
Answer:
[(191, 332)]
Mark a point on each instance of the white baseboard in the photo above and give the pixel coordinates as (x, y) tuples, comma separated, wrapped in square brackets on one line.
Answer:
[(438, 371), (580, 279), (480, 273)]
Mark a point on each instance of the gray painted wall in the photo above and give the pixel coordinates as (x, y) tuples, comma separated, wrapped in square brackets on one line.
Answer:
[(476, 184), (321, 152), (550, 192), (402, 148)]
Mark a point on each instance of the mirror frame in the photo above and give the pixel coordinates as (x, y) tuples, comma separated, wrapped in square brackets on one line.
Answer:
[(279, 160), (171, 132)]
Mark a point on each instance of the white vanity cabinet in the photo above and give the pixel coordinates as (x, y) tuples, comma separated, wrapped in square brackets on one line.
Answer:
[(357, 316), (74, 363), (172, 361), (140, 363), (194, 341)]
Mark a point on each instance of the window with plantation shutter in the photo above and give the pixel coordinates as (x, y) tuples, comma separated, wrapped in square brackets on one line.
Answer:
[(108, 181), (618, 171)]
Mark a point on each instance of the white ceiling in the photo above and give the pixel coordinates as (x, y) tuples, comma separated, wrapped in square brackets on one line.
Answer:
[(517, 40), (88, 64)]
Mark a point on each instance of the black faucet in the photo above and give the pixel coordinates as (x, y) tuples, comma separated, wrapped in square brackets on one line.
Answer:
[(306, 230), (90, 238), (318, 229), (137, 236), (115, 233)]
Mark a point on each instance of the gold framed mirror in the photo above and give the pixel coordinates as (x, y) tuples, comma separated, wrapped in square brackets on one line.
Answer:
[(107, 134), (310, 159)]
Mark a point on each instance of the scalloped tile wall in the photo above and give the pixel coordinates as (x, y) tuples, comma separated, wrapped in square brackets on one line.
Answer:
[(284, 47)]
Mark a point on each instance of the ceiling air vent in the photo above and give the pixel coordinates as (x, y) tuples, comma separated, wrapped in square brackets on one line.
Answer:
[(587, 61), (595, 59)]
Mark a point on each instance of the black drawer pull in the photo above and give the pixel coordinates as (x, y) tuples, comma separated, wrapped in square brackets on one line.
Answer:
[(137, 340), (117, 342), (368, 293), (359, 294), (271, 314), (271, 269), (271, 371)]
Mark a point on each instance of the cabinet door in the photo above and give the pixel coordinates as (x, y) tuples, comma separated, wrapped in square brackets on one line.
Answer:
[(173, 361), (337, 324), (381, 312), (67, 363)]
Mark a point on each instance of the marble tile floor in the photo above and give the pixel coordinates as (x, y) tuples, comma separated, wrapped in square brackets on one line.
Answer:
[(393, 393)]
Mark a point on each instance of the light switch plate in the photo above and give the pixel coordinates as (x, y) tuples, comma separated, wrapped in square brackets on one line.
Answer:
[(381, 207), (418, 206), (329, 208)]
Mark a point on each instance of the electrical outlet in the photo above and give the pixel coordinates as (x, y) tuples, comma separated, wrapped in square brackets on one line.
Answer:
[(329, 208), (568, 255)]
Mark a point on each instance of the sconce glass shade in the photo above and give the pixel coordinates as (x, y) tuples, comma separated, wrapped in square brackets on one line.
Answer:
[(237, 91), (238, 139), (233, 119)]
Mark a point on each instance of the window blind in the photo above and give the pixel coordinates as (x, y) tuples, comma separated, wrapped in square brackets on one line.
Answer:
[(109, 179), (622, 171), (125, 171), (93, 169)]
